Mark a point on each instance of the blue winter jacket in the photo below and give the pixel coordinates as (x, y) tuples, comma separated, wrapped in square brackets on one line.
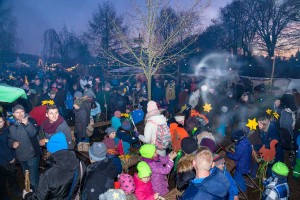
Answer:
[(213, 187), (6, 153), (233, 189), (242, 155)]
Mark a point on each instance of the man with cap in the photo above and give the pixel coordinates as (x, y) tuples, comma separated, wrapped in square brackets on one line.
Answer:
[(23, 139), (276, 186), (242, 157), (100, 173), (62, 179)]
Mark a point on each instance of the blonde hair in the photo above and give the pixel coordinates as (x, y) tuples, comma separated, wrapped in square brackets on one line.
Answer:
[(204, 159)]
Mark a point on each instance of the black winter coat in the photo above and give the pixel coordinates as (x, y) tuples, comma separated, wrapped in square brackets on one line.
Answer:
[(82, 120), (55, 182), (100, 178)]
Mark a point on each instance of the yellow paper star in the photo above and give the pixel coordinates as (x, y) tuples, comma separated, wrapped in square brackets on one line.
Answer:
[(252, 124), (207, 107), (276, 115), (269, 111), (116, 195)]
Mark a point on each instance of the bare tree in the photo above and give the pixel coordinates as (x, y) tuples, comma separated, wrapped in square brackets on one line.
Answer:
[(151, 50), (271, 19), (102, 29), (7, 28)]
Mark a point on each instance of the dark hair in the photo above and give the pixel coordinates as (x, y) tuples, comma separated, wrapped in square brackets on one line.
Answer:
[(49, 107), (93, 105)]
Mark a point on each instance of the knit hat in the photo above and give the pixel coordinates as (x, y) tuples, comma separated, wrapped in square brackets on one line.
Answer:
[(77, 94), (143, 169), (280, 169), (147, 150), (151, 106), (237, 135), (110, 130), (209, 143), (126, 125), (218, 160), (78, 102), (113, 194), (189, 145), (17, 107), (97, 151), (179, 118), (57, 142), (127, 183)]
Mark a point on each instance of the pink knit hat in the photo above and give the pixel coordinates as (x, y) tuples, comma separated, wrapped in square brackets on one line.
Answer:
[(151, 106), (126, 183)]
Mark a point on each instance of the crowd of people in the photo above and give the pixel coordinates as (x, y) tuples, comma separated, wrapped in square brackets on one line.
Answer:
[(178, 134)]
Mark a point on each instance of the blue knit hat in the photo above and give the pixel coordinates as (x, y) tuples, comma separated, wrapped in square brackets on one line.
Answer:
[(126, 125), (57, 142), (237, 135)]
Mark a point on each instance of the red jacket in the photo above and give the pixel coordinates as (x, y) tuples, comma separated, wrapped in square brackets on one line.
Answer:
[(143, 191)]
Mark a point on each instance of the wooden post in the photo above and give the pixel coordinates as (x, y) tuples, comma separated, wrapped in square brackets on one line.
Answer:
[(27, 181)]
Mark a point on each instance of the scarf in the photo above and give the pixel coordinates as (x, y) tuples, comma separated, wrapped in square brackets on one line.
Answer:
[(51, 127), (293, 116)]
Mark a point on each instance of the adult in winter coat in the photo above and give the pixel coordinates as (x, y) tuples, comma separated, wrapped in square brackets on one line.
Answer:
[(210, 183), (54, 124), (8, 169), (23, 139), (56, 182), (82, 119), (100, 173), (153, 119), (160, 166), (194, 98), (242, 157), (158, 93)]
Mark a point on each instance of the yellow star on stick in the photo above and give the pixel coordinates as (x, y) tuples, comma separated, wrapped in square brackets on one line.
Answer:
[(116, 195), (207, 107), (252, 124), (276, 115), (269, 111)]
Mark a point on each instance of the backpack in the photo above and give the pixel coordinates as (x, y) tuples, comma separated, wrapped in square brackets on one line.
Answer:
[(69, 101), (163, 136)]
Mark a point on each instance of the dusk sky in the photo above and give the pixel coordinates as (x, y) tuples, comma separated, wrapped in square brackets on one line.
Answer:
[(36, 16)]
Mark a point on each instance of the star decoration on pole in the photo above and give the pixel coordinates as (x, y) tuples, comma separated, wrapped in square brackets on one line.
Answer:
[(207, 107), (276, 115), (116, 195), (269, 111), (252, 124)]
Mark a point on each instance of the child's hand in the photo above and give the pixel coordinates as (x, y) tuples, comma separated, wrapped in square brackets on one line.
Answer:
[(156, 195), (236, 198), (172, 155)]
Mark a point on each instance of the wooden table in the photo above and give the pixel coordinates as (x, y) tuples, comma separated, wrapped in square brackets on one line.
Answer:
[(97, 124)]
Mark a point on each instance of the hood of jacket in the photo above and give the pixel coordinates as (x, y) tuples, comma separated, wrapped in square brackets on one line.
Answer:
[(216, 184), (158, 119), (65, 159), (185, 164)]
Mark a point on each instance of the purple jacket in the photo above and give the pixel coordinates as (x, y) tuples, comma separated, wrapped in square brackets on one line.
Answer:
[(160, 167)]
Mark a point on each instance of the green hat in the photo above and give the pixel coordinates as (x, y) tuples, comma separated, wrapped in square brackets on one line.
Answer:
[(143, 169), (281, 169), (147, 150)]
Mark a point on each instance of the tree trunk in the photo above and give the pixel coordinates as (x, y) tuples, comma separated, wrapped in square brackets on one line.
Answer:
[(149, 80)]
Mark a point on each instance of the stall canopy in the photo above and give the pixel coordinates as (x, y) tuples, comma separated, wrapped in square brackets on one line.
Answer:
[(9, 94)]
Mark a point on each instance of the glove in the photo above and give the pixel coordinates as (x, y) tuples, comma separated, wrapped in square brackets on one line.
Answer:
[(136, 134), (24, 193)]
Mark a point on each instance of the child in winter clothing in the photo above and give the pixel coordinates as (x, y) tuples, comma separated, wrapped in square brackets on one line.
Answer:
[(177, 132), (111, 146), (124, 134), (143, 185), (160, 167), (116, 120), (219, 162), (276, 186), (242, 157), (127, 185)]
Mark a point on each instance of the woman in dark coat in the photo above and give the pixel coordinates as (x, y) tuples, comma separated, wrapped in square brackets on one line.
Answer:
[(82, 120)]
